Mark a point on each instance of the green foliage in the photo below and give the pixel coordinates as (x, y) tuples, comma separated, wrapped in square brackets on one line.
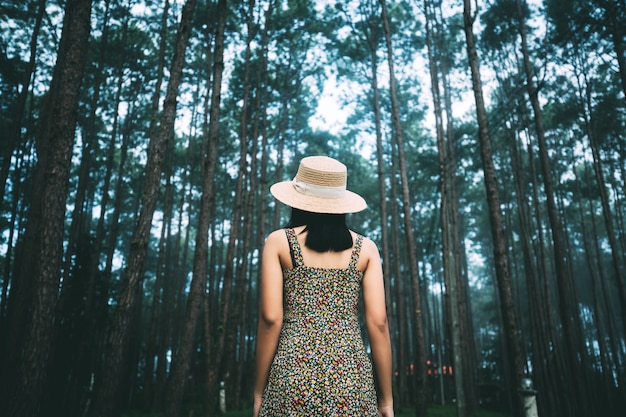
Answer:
[(501, 24)]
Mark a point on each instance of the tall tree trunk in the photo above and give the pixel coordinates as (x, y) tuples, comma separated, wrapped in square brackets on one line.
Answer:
[(598, 170), (448, 218), (159, 301), (156, 98), (280, 168), (568, 312), (370, 35), (500, 251), (90, 141), (8, 256), (380, 159), (15, 133), (541, 362), (262, 82), (547, 377), (596, 275), (244, 197), (75, 358), (46, 217), (402, 300), (420, 344), (97, 294), (613, 10), (562, 389), (466, 326), (598, 270), (211, 293), (182, 360), (106, 396), (257, 197)]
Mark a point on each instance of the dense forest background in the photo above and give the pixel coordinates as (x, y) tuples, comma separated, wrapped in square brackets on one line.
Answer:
[(140, 137)]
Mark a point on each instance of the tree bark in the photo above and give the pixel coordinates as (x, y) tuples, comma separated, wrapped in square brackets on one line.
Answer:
[(15, 135), (45, 227), (515, 365), (616, 30), (598, 170), (182, 361), (106, 396), (405, 370), (420, 344), (243, 215), (448, 218), (568, 312), (370, 32), (77, 226)]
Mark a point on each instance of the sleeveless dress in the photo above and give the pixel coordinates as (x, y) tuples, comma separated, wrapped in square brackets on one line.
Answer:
[(320, 367)]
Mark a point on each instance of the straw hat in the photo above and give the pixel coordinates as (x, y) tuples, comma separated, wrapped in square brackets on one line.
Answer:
[(319, 187)]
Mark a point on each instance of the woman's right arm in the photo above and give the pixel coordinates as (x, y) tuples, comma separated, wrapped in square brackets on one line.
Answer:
[(270, 314), (378, 326)]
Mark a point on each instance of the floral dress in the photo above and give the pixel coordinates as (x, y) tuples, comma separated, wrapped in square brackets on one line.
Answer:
[(321, 367)]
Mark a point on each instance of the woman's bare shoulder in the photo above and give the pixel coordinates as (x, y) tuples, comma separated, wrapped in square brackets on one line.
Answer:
[(276, 235), (369, 252), (276, 240), (368, 246)]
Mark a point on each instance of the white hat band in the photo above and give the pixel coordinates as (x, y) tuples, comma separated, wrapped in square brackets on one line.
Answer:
[(321, 191)]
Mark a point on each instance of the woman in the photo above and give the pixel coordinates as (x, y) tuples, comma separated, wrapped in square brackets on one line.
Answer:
[(311, 360)]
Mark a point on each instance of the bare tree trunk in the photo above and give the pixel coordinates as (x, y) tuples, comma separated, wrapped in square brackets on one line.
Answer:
[(420, 344), (211, 294), (15, 134), (560, 386), (596, 274), (536, 308), (79, 363), (568, 312), (152, 387), (280, 150), (598, 278), (370, 36), (90, 140), (162, 278), (448, 219), (262, 83), (8, 257), (516, 367), (45, 227), (106, 395), (458, 251), (598, 170), (244, 198), (403, 322), (156, 98), (380, 168), (616, 29), (182, 361)]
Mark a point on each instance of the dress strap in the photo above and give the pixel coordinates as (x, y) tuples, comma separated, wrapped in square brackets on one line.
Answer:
[(356, 251), (294, 248)]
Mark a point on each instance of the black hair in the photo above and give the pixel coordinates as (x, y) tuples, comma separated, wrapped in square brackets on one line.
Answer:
[(326, 232)]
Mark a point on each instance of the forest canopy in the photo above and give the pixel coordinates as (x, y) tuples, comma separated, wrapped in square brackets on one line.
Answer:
[(139, 139)]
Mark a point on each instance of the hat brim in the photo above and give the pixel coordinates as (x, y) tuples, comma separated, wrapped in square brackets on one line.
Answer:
[(349, 202)]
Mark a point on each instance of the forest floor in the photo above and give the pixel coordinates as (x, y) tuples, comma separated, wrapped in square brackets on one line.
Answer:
[(433, 411), (448, 411)]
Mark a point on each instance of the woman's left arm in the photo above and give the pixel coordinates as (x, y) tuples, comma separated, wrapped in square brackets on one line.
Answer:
[(270, 314), (378, 326)]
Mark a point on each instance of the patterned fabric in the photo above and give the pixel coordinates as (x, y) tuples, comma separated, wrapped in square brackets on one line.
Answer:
[(321, 367)]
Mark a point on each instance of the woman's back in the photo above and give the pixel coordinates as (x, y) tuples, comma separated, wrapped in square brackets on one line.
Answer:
[(321, 366)]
